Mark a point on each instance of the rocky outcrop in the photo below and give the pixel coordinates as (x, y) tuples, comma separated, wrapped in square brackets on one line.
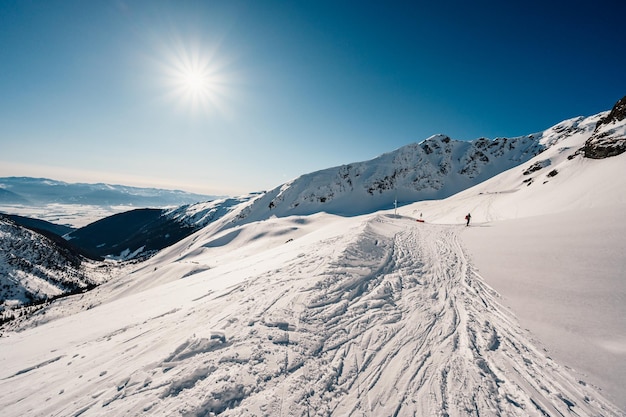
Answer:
[(609, 136), (617, 113)]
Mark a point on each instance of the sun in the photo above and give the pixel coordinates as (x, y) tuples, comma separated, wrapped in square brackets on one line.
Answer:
[(194, 81), (195, 77)]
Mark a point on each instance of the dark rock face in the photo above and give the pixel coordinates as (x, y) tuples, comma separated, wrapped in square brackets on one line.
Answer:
[(609, 136), (617, 113)]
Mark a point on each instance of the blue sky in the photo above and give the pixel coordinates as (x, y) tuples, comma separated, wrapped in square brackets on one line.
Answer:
[(229, 97)]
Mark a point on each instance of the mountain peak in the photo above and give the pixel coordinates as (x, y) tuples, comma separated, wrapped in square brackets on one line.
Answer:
[(617, 113), (609, 136)]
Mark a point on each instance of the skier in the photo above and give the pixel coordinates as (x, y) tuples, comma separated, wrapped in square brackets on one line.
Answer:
[(468, 217)]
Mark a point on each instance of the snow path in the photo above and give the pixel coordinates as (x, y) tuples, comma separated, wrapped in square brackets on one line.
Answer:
[(434, 340), (387, 319)]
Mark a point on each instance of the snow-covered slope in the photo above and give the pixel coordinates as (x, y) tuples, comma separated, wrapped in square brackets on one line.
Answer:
[(563, 276), (550, 237), (315, 315), (265, 312), (34, 268)]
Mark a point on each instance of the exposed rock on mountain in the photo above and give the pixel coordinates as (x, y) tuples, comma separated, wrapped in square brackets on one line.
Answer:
[(609, 137), (617, 113)]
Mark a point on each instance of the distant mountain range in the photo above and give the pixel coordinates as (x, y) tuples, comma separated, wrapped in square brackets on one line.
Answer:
[(41, 191)]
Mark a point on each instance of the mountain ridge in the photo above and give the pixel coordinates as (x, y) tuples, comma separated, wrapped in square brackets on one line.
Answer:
[(39, 191)]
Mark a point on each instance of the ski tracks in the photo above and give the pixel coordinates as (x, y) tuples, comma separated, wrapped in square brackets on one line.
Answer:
[(389, 320), (398, 323), (422, 334)]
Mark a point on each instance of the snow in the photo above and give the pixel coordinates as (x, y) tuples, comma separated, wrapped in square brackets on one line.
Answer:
[(368, 315), (127, 254), (302, 314), (372, 315), (32, 268), (563, 276)]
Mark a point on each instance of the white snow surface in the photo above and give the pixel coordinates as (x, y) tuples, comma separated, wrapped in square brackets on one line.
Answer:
[(564, 277), (368, 315)]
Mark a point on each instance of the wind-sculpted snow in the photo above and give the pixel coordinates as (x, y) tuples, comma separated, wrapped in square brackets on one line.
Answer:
[(388, 318)]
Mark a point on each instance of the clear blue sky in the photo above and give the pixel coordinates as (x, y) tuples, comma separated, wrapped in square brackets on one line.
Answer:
[(229, 97)]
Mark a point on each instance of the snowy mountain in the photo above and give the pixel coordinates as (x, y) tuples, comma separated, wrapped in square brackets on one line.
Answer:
[(42, 191), (551, 182), (35, 268), (290, 310), (433, 169)]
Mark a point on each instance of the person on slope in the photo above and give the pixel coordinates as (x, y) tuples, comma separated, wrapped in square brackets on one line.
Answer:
[(468, 217)]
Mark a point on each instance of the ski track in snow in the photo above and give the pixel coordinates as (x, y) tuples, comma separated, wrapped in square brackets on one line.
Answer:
[(390, 321)]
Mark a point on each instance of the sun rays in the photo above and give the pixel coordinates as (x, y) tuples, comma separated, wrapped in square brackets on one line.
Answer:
[(196, 78)]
